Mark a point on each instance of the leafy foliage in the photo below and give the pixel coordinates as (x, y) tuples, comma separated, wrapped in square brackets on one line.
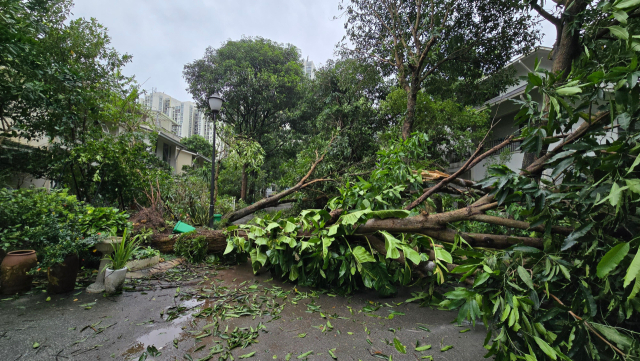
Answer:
[(123, 251), (197, 144), (54, 223), (194, 249)]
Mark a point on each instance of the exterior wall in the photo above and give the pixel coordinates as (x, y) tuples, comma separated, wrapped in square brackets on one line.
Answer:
[(170, 158), (21, 180), (183, 158), (503, 110)]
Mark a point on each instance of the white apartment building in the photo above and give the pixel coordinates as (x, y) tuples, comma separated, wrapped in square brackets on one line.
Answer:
[(189, 119), (308, 68)]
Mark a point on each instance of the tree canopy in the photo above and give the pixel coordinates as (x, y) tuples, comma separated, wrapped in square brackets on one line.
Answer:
[(197, 144), (260, 81), (422, 42)]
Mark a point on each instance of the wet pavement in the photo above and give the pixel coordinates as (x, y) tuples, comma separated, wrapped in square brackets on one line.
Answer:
[(203, 314)]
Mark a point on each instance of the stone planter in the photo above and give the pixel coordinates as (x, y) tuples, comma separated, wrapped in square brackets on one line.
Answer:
[(138, 264), (13, 271), (62, 276), (114, 280), (105, 247)]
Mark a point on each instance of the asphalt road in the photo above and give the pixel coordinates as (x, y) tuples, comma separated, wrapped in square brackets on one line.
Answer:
[(82, 326)]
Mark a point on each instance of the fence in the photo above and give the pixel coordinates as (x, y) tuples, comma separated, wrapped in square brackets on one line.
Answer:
[(511, 147)]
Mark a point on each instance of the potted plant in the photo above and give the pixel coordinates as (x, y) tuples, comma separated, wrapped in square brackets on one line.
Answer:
[(61, 258), (116, 271)]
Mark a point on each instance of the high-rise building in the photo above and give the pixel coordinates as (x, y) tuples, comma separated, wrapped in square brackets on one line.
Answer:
[(189, 119), (308, 68)]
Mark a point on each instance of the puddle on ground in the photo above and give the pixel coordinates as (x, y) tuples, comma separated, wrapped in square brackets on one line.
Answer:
[(164, 336)]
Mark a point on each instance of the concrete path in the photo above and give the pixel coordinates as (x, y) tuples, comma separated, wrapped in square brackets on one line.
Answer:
[(82, 326)]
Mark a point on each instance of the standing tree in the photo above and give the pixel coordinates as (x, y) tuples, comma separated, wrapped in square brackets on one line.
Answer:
[(260, 80), (196, 143), (452, 40)]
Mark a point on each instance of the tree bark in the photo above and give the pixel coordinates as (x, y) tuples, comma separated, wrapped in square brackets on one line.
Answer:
[(566, 49), (568, 46), (245, 181), (412, 99), (217, 240)]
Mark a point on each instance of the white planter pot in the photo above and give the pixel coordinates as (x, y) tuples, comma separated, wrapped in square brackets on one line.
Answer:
[(114, 279)]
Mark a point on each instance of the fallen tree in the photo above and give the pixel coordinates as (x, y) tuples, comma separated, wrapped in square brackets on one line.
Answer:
[(552, 249)]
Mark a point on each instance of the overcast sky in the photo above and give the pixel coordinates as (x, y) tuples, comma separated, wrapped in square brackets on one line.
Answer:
[(164, 35)]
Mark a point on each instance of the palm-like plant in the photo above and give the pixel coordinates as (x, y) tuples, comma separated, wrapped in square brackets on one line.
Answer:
[(123, 251)]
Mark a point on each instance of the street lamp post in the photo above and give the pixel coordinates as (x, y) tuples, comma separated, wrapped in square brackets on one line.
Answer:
[(215, 103)]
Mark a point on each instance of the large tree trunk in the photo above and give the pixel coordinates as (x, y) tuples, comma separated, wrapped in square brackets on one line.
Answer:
[(566, 49), (245, 181), (217, 240), (412, 98)]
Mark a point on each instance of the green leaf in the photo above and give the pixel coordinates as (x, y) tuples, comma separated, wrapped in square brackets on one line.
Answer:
[(546, 348), (443, 255), (289, 227), (399, 346), (612, 335), (423, 348), (389, 213), (482, 278), (634, 184), (561, 167), (616, 194), (362, 255), (534, 79), (621, 16), (635, 290), (610, 260), (633, 271), (248, 355), (326, 242), (333, 355), (354, 217), (411, 254), (305, 354), (446, 348), (572, 239), (391, 245), (635, 164), (271, 226), (525, 276), (572, 90), (229, 248), (626, 4), (619, 32), (36, 345), (333, 230)]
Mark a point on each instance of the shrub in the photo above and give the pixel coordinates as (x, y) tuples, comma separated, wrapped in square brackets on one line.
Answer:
[(194, 249), (53, 222), (103, 220), (144, 253)]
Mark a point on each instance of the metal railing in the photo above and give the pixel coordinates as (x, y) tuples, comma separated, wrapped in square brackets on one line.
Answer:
[(512, 147), (457, 157)]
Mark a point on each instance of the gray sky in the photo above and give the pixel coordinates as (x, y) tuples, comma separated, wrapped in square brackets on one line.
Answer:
[(164, 35)]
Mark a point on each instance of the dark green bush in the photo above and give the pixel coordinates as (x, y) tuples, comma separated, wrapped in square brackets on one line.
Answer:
[(194, 249), (53, 222)]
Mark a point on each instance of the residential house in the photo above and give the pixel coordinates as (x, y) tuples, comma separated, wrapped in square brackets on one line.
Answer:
[(503, 109)]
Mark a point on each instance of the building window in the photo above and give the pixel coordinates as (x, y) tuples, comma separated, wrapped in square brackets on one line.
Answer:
[(166, 153)]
